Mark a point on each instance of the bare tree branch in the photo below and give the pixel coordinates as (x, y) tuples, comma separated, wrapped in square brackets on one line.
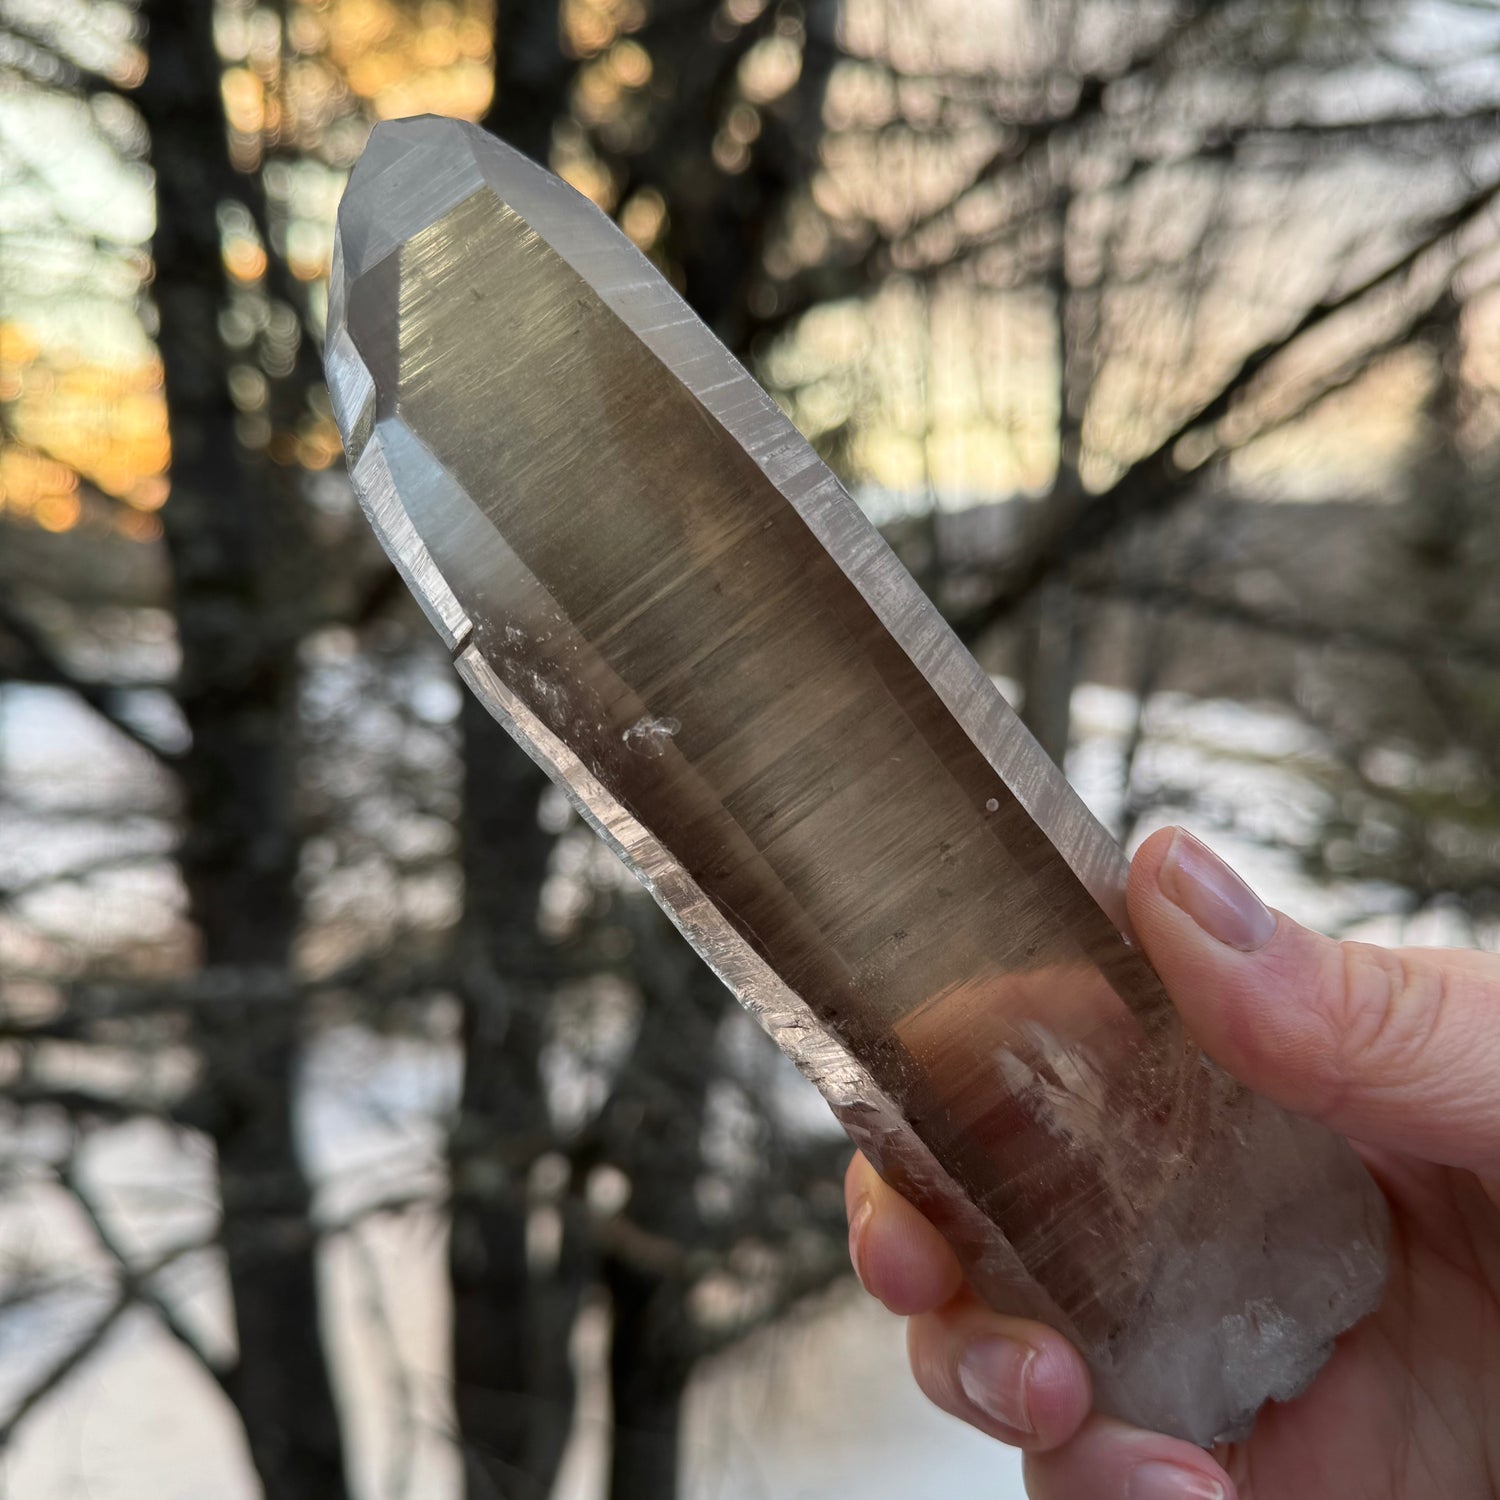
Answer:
[(90, 1342), (1160, 479), (795, 1285), (1035, 138), (1441, 647), (81, 1103), (39, 663), (78, 872), (58, 1373), (138, 1284)]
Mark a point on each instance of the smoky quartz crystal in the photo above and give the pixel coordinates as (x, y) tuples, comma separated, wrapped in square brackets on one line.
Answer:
[(650, 578)]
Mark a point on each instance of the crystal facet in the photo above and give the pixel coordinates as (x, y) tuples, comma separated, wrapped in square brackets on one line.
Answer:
[(652, 581)]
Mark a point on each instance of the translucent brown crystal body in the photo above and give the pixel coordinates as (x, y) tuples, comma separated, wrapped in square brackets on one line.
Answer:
[(654, 583)]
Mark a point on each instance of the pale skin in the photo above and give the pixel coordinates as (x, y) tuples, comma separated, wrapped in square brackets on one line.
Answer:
[(1398, 1049)]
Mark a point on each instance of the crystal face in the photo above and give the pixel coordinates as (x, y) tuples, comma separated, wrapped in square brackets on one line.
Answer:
[(652, 581)]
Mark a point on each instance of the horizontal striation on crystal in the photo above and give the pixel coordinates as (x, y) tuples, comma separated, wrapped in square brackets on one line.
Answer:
[(651, 579)]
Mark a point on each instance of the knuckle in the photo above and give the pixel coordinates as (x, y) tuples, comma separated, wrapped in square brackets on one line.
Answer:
[(1388, 1012)]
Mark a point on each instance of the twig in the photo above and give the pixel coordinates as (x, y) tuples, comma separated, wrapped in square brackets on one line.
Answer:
[(136, 1283), (1035, 139), (64, 1367), (1357, 636), (69, 874), (82, 1102), (398, 1477), (91, 1340)]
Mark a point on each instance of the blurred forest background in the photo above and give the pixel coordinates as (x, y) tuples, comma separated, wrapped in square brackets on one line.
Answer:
[(345, 1082)]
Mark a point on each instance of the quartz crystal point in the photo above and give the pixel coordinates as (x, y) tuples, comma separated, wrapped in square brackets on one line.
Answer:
[(657, 587)]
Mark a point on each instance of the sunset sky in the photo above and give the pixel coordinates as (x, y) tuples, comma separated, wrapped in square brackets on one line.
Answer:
[(944, 381)]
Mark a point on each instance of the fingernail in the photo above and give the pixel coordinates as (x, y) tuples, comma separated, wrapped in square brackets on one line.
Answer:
[(1158, 1481), (1196, 879), (993, 1374), (863, 1211)]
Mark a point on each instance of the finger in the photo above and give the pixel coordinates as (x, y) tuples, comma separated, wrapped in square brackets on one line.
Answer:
[(1110, 1461), (898, 1256), (1396, 1047), (1021, 1382)]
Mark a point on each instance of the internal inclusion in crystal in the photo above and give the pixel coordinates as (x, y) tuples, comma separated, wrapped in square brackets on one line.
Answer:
[(671, 602)]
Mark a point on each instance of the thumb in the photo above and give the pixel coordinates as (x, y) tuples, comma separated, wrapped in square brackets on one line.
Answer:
[(1395, 1047)]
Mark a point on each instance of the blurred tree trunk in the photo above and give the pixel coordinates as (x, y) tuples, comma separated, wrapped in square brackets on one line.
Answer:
[(228, 527), (656, 1118), (1049, 637), (512, 1324), (648, 1376), (533, 75), (1049, 665)]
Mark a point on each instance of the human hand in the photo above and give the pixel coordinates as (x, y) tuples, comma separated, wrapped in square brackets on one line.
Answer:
[(1398, 1049)]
